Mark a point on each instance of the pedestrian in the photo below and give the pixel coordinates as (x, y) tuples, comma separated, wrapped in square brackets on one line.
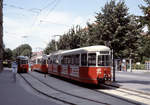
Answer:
[(14, 70)]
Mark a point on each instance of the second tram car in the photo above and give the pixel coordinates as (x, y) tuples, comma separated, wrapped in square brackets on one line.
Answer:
[(23, 65), (40, 64), (90, 65)]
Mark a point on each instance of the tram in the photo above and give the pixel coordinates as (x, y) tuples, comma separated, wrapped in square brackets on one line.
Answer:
[(23, 65), (40, 64), (91, 65)]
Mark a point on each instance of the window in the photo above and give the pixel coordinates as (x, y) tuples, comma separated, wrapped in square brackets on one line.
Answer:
[(23, 61), (104, 52), (92, 59), (49, 61), (84, 59), (75, 59), (55, 60), (44, 61), (69, 60), (38, 61), (104, 60), (64, 60)]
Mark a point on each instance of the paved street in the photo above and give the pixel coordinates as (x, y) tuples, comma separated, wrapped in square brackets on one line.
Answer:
[(12, 93), (136, 80), (19, 94)]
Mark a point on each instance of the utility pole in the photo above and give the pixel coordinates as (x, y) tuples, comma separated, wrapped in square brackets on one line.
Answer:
[(1, 35), (114, 79), (56, 47)]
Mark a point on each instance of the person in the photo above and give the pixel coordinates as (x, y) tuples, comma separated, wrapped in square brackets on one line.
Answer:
[(14, 69)]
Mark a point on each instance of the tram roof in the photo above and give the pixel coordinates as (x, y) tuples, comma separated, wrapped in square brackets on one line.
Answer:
[(42, 57), (22, 57), (95, 48)]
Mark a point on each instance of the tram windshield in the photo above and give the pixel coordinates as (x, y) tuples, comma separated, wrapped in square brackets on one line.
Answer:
[(104, 60), (23, 61)]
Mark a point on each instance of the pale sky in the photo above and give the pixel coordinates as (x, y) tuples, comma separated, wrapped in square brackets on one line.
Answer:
[(35, 22)]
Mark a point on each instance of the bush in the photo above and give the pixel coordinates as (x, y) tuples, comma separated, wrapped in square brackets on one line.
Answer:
[(139, 66)]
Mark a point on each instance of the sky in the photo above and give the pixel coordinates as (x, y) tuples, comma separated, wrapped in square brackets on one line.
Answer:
[(37, 22)]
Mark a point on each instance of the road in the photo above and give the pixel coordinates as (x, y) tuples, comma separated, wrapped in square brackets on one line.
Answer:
[(20, 93), (12, 93)]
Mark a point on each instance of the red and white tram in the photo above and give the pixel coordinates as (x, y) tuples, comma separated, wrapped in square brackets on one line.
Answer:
[(23, 65), (40, 64), (90, 65)]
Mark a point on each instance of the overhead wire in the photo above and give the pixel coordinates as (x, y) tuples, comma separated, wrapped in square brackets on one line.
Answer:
[(42, 9), (37, 12), (33, 10)]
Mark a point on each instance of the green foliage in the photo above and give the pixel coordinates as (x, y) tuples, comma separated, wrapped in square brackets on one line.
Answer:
[(7, 54), (71, 39), (118, 29), (50, 47), (145, 20), (138, 66), (114, 27), (22, 50), (143, 49)]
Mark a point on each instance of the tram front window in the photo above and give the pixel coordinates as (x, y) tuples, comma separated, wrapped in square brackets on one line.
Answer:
[(92, 59), (24, 62), (104, 60)]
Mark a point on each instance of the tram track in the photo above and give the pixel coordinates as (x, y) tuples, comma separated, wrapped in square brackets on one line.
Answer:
[(136, 91), (128, 94), (50, 96), (111, 95), (69, 94)]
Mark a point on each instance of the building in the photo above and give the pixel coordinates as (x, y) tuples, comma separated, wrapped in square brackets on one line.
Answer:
[(1, 35)]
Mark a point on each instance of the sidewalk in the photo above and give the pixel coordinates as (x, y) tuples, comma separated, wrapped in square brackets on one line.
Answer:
[(12, 93), (138, 71), (136, 80)]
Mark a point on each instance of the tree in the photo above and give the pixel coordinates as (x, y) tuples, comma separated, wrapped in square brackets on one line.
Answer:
[(51, 47), (145, 20), (143, 50), (71, 39), (7, 54), (115, 28), (22, 50)]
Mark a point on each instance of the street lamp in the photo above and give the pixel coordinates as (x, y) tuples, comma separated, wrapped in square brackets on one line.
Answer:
[(108, 43), (55, 42)]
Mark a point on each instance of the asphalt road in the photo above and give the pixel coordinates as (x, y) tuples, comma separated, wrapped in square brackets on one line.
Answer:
[(12, 93)]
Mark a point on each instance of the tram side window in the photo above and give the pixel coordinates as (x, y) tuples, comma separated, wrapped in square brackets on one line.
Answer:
[(69, 60), (34, 61), (92, 59), (84, 59), (76, 59), (56, 60), (50, 61), (64, 60), (38, 61)]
